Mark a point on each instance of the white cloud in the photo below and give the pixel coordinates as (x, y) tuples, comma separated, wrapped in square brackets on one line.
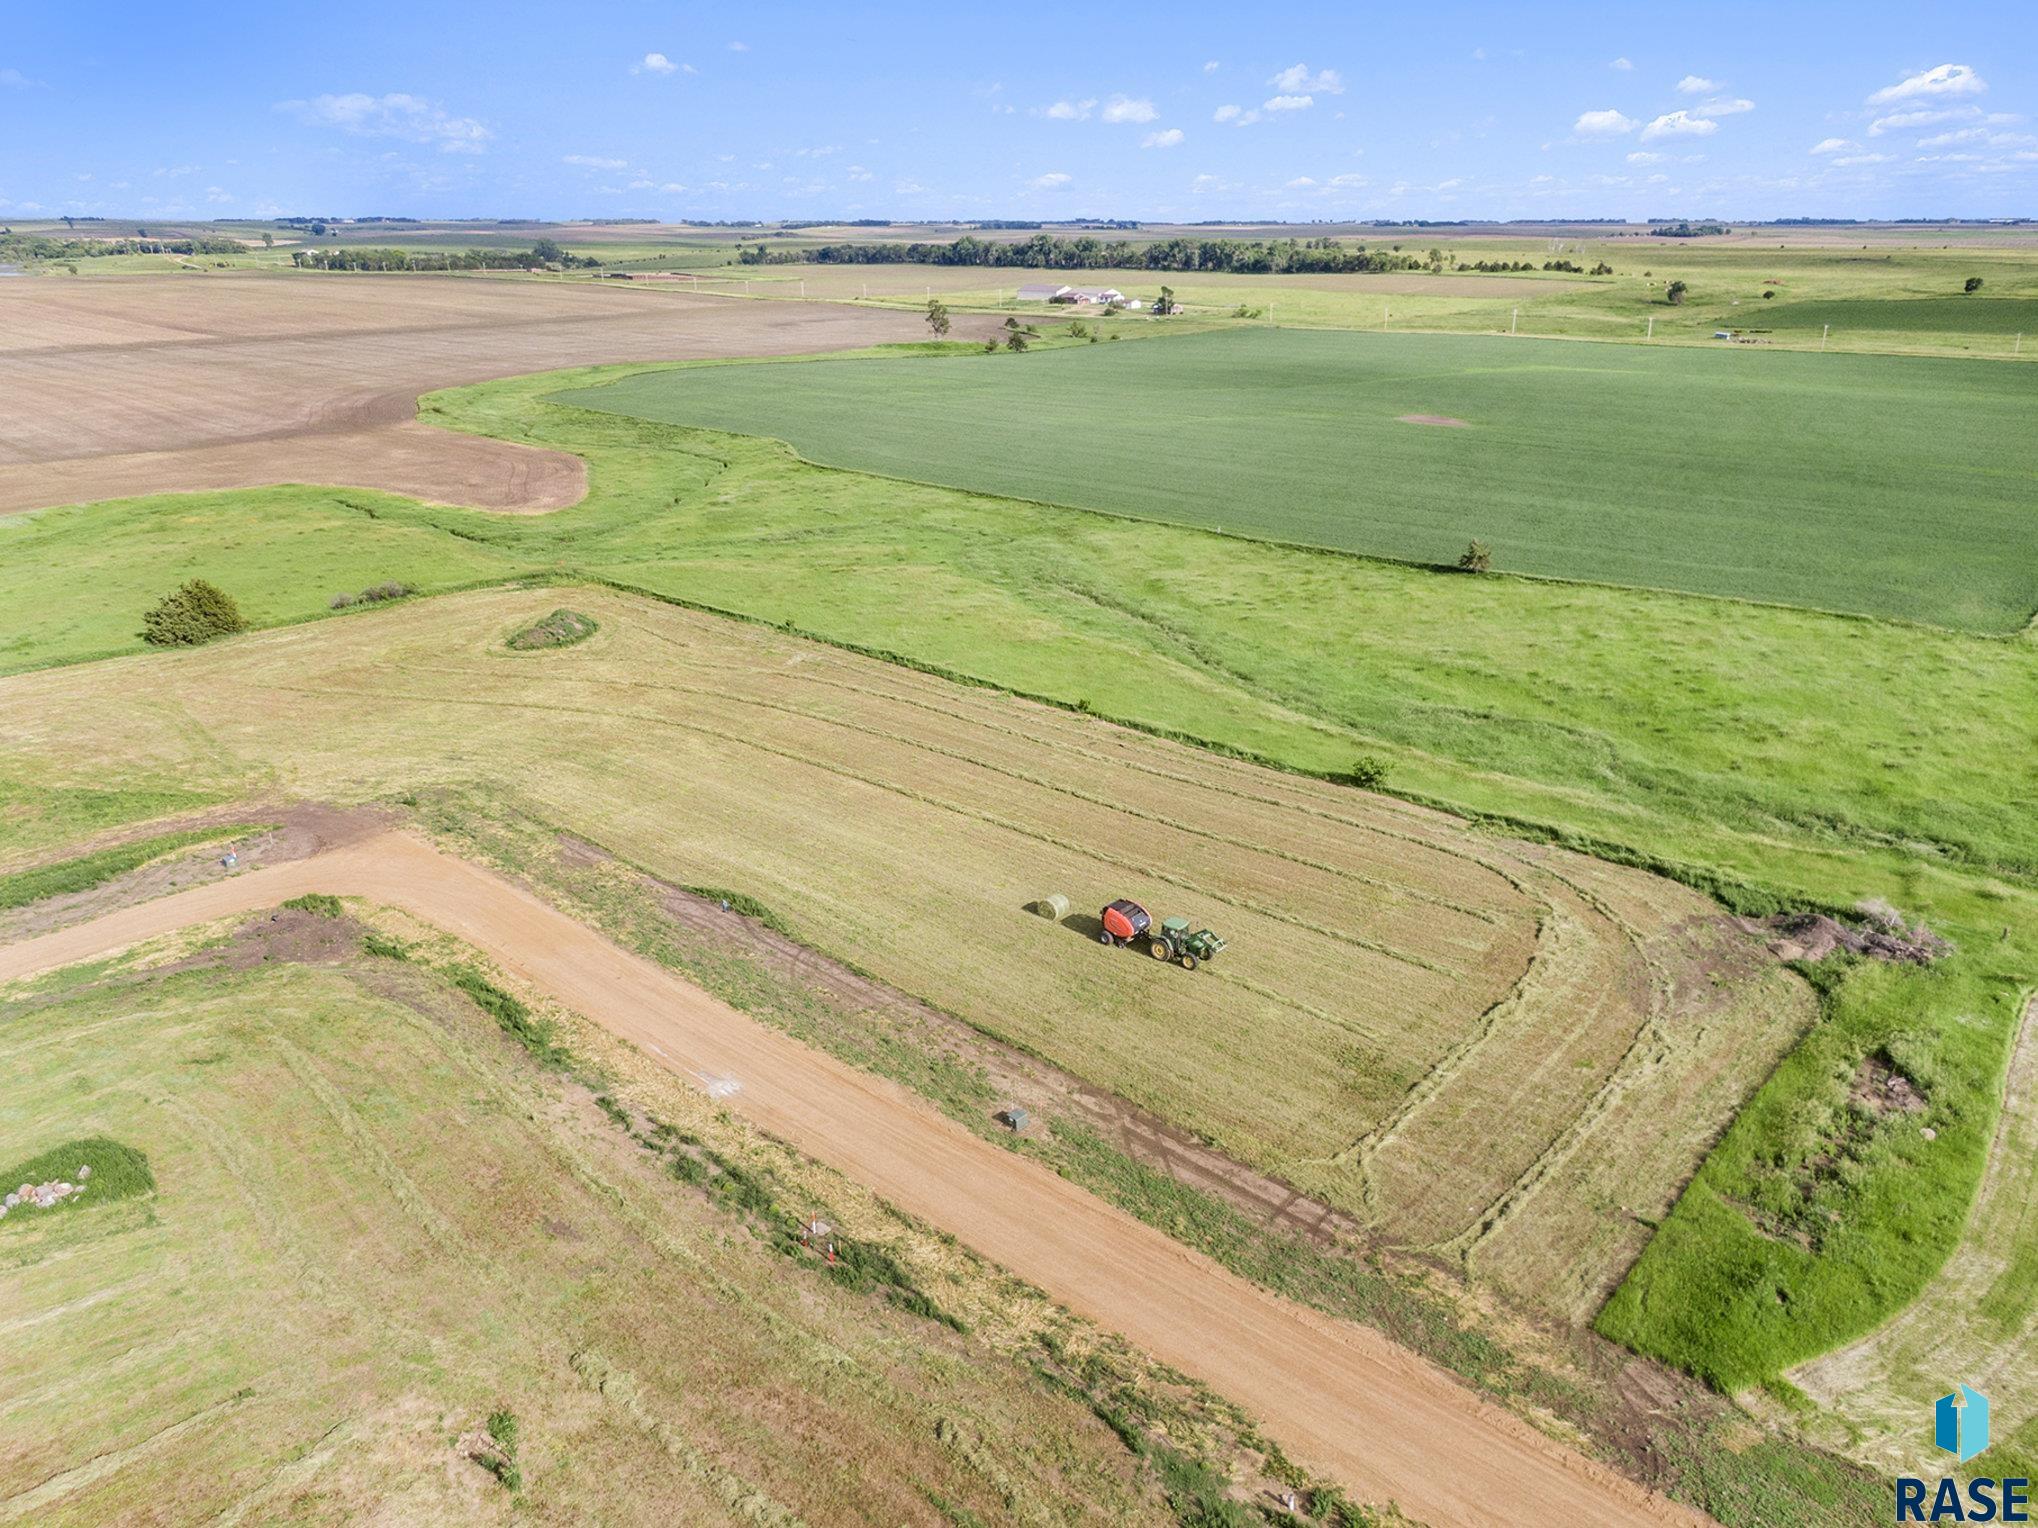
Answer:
[(592, 162), (1297, 80), (857, 172), (1623, 64), (408, 117), (1211, 67), (1833, 146), (1926, 116), (1479, 53), (1162, 140), (654, 63), (1643, 156), (1288, 103), (1725, 106), (218, 194), (1347, 182), (1994, 140), (1599, 124), (1226, 114), (1941, 80), (739, 47), (1204, 184), (1858, 159), (1680, 124), (1053, 180), (14, 79), (1125, 109), (1071, 111), (1697, 84)]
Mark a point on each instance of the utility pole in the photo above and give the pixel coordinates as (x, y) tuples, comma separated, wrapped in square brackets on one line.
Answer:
[(1822, 338), (1514, 321), (1652, 327)]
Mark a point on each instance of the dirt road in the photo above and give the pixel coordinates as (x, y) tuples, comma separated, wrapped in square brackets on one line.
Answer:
[(156, 384), (1338, 1397)]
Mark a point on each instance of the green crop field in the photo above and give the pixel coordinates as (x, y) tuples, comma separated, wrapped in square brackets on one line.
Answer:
[(1876, 485)]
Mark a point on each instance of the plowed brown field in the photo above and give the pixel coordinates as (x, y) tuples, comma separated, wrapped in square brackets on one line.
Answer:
[(151, 384), (1500, 1052)]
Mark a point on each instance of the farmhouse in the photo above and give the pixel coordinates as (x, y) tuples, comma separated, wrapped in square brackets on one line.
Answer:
[(1042, 291), (1098, 295)]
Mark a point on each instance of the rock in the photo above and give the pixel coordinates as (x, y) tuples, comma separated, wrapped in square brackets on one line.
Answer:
[(84, 1173), (1929, 1133)]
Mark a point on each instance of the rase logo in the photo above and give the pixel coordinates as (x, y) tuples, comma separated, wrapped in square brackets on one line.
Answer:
[(1960, 1427)]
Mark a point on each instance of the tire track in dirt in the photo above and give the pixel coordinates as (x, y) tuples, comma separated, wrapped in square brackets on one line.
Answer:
[(1341, 1398)]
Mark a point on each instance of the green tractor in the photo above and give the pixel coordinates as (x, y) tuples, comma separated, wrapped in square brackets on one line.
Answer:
[(1173, 941)]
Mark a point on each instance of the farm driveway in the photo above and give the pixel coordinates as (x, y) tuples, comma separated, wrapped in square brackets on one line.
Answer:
[(1339, 1397)]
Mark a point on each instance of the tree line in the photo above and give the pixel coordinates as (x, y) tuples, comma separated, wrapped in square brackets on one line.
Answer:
[(1053, 252), (540, 256), (30, 246)]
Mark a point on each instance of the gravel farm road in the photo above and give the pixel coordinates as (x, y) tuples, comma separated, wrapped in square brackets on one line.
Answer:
[(1338, 1397)]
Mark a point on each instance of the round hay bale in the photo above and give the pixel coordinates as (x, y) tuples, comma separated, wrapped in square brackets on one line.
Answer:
[(1054, 905)]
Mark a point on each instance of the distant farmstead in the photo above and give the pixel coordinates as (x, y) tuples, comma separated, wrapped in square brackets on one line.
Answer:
[(1048, 291)]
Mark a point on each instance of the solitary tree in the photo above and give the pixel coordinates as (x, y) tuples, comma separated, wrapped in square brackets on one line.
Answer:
[(1165, 303), (1476, 558), (268, 239), (1973, 284), (937, 317), (1016, 340), (1676, 293), (192, 613)]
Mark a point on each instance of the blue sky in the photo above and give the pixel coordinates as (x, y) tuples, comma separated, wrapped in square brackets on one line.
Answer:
[(1187, 111)]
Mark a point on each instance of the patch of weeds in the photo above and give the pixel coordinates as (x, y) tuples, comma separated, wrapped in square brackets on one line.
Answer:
[(612, 1109), (374, 594), (318, 903), (499, 1455), (517, 1020), (562, 628), (110, 1172), (383, 947), (743, 905), (753, 1195), (89, 870)]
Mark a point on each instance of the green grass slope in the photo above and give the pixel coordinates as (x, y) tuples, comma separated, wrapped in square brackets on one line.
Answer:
[(1883, 485), (1820, 757)]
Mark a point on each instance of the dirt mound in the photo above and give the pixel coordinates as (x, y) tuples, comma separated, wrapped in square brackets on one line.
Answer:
[(1438, 419), (1883, 936), (1880, 1088)]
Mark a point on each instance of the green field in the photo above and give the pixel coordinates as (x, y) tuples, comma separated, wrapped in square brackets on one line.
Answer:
[(1874, 485), (1817, 758)]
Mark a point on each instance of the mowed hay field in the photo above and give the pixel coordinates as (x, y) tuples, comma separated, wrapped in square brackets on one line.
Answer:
[(376, 1221), (1505, 1053), (1880, 485)]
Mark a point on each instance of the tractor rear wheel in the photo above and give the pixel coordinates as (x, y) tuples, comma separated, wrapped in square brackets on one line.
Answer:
[(1188, 961), (1105, 937), (1160, 951)]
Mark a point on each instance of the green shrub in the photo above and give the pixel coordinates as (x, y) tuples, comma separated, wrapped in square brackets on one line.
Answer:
[(384, 947), (1367, 772), (1476, 558), (318, 903), (190, 614)]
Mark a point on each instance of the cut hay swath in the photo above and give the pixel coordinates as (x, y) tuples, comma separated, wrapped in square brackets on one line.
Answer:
[(1477, 1045)]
